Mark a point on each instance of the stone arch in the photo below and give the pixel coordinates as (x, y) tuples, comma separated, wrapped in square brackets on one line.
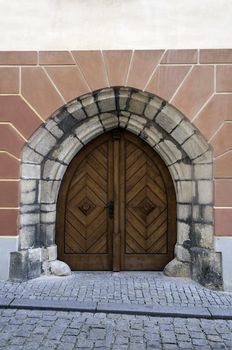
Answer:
[(186, 153)]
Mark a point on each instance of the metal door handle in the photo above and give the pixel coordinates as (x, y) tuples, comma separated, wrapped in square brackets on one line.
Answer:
[(110, 207)]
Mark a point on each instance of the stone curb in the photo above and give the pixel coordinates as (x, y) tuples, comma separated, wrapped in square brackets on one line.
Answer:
[(117, 308)]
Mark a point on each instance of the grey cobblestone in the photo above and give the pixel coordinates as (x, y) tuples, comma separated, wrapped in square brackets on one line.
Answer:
[(104, 331), (123, 287)]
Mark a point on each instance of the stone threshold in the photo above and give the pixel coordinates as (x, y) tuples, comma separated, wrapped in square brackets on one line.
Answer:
[(154, 310)]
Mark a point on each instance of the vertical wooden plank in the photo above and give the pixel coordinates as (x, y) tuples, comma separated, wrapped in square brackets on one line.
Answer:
[(110, 222), (122, 194), (116, 233)]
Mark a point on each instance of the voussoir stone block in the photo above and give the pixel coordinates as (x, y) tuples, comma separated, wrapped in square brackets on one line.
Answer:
[(89, 105), (30, 156), (76, 110), (49, 191), (206, 158), (109, 120), (183, 131), (168, 151), (138, 102), (152, 108), (195, 146), (151, 135), (136, 123), (166, 120), (89, 130), (52, 127), (67, 149), (42, 141), (123, 120), (123, 98), (106, 100), (181, 171), (53, 170)]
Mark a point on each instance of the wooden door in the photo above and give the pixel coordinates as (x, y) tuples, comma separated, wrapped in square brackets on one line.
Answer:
[(116, 208)]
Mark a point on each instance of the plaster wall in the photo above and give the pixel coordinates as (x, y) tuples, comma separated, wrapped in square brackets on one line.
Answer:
[(114, 24)]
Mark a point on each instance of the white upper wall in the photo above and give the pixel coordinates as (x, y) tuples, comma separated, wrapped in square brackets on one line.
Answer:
[(115, 24)]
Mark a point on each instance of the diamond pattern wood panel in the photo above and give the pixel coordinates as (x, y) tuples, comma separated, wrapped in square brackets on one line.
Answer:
[(146, 204), (86, 217)]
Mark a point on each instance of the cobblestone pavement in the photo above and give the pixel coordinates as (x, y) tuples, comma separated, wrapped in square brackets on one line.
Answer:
[(29, 330), (123, 287)]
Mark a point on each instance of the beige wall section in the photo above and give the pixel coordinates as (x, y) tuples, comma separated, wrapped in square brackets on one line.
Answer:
[(7, 245), (114, 24)]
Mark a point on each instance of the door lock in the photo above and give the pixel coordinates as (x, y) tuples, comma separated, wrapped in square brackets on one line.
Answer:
[(110, 207)]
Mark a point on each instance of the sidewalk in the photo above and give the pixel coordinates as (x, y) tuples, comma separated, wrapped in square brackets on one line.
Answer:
[(144, 293)]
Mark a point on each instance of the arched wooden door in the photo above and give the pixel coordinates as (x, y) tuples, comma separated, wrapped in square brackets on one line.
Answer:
[(116, 208)]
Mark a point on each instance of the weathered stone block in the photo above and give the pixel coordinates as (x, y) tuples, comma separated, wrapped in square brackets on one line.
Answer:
[(51, 126), (195, 146), (29, 219), (67, 149), (123, 121), (183, 231), (109, 120), (42, 141), (136, 124), (18, 265), (29, 208), (49, 191), (206, 267), (203, 171), (89, 130), (153, 107), (34, 263), (30, 171), (167, 121), (151, 135), (208, 213), (176, 268), (184, 211), (47, 234), (203, 235), (137, 103), (30, 156), (205, 192), (181, 171), (106, 100), (89, 105), (76, 110), (169, 152), (29, 191), (48, 217), (53, 170), (123, 98), (182, 254), (185, 191), (206, 158), (183, 131), (27, 236)]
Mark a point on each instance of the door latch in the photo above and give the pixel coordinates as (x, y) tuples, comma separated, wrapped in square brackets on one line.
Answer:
[(110, 207)]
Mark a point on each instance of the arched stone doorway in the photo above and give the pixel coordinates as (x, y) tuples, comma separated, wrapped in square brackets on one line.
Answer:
[(116, 208), (185, 152)]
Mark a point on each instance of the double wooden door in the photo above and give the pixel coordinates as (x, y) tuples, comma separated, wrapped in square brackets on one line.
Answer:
[(116, 207)]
